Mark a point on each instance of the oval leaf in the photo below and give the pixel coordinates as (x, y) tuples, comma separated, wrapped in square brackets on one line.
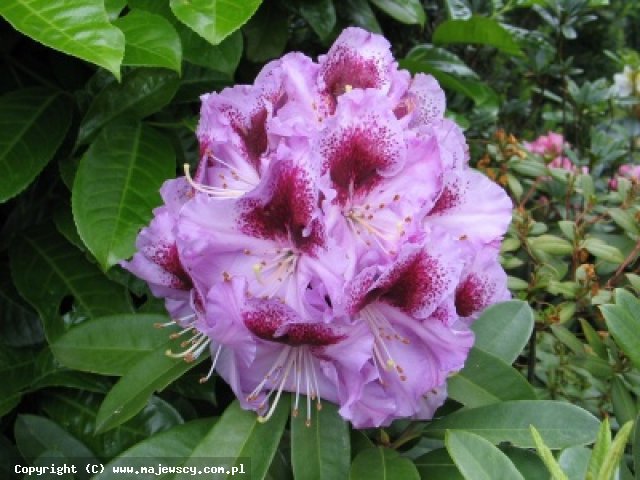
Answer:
[(486, 379), (151, 373), (321, 450), (76, 27), (33, 123), (44, 258), (151, 41), (504, 329), (405, 11), (382, 464), (561, 424), (143, 91), (214, 20), (479, 30), (625, 328), (117, 186), (109, 345), (239, 435), (170, 448), (478, 459)]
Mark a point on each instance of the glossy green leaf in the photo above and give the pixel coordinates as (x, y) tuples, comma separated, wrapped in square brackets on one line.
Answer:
[(33, 123), (36, 435), (220, 58), (130, 394), (594, 340), (603, 251), (360, 14), (17, 368), (479, 459), (150, 41), (320, 14), (43, 258), (197, 80), (381, 464), (117, 186), (238, 434), (76, 413), (625, 328), (19, 324), (486, 379), (76, 27), (405, 11), (624, 407), (110, 345), (143, 91), (527, 463), (114, 7), (437, 465), (504, 329), (561, 424), (476, 30), (451, 72), (170, 448), (214, 20), (267, 33), (321, 450), (547, 457)]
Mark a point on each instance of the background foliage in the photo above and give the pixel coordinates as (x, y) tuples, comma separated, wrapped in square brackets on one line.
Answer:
[(98, 105)]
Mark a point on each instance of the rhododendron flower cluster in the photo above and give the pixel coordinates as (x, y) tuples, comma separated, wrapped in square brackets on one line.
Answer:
[(551, 147), (626, 83), (333, 241), (628, 171)]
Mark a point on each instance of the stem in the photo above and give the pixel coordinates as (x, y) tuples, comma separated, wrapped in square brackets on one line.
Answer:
[(623, 265)]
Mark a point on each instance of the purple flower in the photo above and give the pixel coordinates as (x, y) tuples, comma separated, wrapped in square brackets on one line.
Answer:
[(333, 241)]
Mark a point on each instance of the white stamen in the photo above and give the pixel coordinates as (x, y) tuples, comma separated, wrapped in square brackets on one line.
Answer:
[(217, 192)]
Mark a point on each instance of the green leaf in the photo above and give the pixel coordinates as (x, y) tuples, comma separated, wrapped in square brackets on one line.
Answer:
[(550, 244), (267, 33), (239, 434), (561, 424), (451, 72), (110, 345), (477, 30), (574, 462), (437, 465), (151, 373), (150, 41), (601, 250), (405, 11), (547, 457), (170, 448), (458, 9), (504, 329), (625, 328), (36, 435), (615, 453), (600, 448), (76, 27), (143, 91), (44, 258), (624, 406), (320, 14), (486, 379), (76, 413), (221, 58), (117, 186), (478, 459), (198, 80), (527, 463), (33, 124), (214, 20), (636, 447), (19, 324), (322, 449), (360, 14), (382, 464), (594, 340)]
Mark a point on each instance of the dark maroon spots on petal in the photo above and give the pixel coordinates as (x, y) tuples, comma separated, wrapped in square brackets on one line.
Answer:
[(253, 134), (265, 321), (166, 256), (287, 212), (473, 295), (355, 160), (346, 68), (450, 197)]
